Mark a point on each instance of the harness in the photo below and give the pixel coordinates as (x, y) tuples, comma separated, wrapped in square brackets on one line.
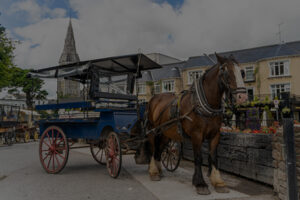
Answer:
[(201, 106), (199, 102)]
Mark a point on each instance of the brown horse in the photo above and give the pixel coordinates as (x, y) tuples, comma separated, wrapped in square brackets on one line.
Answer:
[(202, 105)]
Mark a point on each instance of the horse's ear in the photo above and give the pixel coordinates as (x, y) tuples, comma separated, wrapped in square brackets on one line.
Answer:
[(220, 59)]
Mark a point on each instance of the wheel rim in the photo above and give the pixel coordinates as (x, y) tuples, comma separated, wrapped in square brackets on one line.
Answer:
[(113, 155), (53, 150), (98, 152), (171, 156)]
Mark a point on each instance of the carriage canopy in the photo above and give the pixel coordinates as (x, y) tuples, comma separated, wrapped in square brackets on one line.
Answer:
[(117, 65)]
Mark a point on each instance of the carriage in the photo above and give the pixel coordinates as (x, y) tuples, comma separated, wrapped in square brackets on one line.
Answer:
[(108, 115)]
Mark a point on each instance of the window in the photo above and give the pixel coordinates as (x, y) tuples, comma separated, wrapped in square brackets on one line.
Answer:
[(250, 93), (168, 86), (280, 68), (193, 75), (249, 72), (276, 89), (142, 88), (156, 88)]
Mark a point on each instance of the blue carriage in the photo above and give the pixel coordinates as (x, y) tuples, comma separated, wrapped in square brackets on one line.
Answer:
[(108, 115)]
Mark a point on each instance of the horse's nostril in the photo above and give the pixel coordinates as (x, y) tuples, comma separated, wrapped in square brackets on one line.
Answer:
[(240, 96)]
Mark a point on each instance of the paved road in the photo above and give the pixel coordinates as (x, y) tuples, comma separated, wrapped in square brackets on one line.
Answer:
[(22, 177)]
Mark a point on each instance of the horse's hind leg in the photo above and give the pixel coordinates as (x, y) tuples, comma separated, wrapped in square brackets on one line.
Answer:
[(157, 145), (213, 172), (198, 180), (154, 168)]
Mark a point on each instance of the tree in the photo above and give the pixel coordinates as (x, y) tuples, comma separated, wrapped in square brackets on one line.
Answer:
[(12, 76), (7, 47), (32, 87)]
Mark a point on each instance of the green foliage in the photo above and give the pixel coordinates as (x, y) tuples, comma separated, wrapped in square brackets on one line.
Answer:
[(267, 101), (32, 87), (7, 47), (286, 110), (44, 114), (12, 76)]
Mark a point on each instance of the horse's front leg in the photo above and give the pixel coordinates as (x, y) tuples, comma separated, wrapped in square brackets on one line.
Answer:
[(198, 180), (213, 172)]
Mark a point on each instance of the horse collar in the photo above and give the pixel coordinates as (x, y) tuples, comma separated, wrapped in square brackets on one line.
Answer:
[(202, 106)]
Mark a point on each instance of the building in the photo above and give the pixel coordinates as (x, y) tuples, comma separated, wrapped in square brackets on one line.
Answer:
[(270, 71), (166, 79), (68, 88)]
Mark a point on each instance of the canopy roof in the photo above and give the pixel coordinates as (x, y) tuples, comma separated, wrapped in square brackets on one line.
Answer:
[(111, 66)]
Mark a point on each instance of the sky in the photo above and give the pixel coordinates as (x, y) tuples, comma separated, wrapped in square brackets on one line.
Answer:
[(179, 28)]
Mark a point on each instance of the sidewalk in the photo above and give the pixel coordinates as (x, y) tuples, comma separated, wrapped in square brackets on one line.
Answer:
[(178, 185)]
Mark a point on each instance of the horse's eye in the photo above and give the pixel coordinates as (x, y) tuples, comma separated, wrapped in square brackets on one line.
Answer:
[(243, 73)]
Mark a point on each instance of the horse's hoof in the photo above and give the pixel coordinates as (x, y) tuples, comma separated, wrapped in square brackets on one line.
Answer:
[(155, 178), (203, 190), (222, 189)]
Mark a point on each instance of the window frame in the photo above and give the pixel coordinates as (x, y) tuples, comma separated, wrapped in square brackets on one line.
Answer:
[(156, 85), (191, 72), (253, 70), (163, 86), (143, 85), (276, 84), (272, 69)]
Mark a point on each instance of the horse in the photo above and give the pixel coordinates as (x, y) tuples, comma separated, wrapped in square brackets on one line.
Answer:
[(202, 110)]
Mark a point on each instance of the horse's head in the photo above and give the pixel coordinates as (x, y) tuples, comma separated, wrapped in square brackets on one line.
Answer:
[(231, 77)]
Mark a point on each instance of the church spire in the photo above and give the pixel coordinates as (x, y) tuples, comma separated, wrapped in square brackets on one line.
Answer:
[(69, 53)]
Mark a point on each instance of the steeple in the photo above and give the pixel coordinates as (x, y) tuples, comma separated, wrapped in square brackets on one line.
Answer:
[(69, 53), (68, 88)]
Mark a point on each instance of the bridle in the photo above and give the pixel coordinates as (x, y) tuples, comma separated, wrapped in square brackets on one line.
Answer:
[(202, 107)]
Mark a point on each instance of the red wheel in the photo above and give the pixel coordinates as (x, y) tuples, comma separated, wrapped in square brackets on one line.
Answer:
[(98, 152), (113, 154), (53, 150), (171, 156)]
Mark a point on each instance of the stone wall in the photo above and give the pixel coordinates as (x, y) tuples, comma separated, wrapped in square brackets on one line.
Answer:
[(245, 154), (279, 163)]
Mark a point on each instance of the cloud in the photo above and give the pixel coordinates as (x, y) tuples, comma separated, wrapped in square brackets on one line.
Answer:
[(115, 27), (33, 12)]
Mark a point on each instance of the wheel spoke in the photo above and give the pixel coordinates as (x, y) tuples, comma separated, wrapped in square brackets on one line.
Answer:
[(101, 155), (46, 157), (52, 137), (171, 162), (59, 155), (57, 161), (49, 138), (53, 165), (46, 143), (49, 161), (97, 152), (168, 156)]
